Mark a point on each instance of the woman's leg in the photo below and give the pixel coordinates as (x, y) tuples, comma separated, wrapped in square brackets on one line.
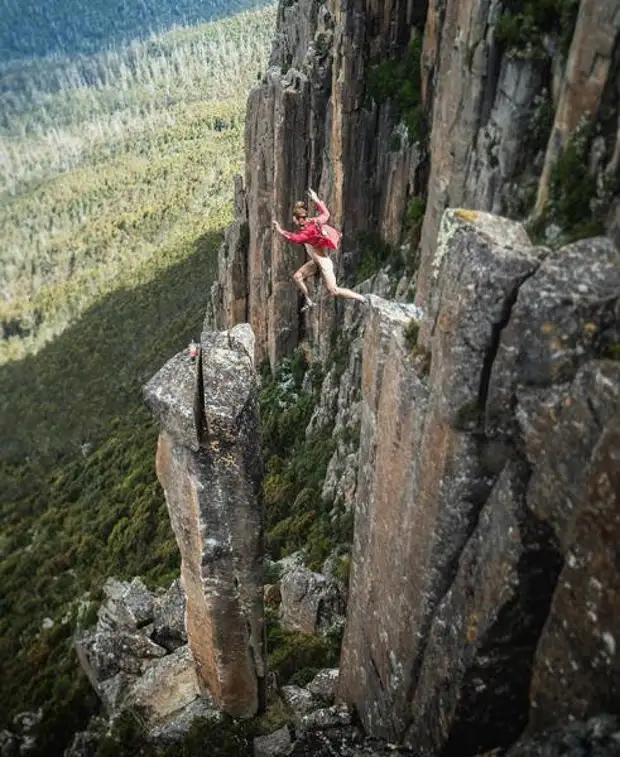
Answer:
[(329, 277), (307, 269)]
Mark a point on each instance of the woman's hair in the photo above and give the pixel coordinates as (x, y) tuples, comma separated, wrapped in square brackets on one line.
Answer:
[(299, 210)]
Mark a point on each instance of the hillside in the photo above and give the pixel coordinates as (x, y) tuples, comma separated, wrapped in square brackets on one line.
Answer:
[(69, 27), (118, 183)]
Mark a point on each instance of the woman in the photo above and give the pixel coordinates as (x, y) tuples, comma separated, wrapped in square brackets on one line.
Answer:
[(317, 237)]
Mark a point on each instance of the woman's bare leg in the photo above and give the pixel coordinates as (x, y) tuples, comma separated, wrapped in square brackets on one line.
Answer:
[(307, 269), (329, 277)]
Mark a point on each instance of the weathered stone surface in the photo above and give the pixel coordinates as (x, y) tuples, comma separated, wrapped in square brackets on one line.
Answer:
[(385, 319), (478, 241), (558, 487), (104, 654), (172, 397), (417, 431), (129, 670), (213, 498), (165, 688), (576, 490), (310, 602), (228, 305), (300, 700), (276, 175), (597, 737), (482, 106), (127, 605), (343, 741), (276, 744), (324, 683), (326, 717), (177, 725), (562, 317), (169, 618), (478, 655)]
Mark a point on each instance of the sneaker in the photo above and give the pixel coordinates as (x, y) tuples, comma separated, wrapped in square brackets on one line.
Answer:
[(309, 304)]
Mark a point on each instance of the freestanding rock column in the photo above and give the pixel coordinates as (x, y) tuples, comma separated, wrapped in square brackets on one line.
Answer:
[(209, 464)]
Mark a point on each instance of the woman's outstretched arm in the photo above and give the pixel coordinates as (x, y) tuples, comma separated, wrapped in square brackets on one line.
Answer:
[(323, 216), (298, 238)]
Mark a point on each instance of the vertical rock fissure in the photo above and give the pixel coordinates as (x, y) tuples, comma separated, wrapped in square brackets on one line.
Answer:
[(498, 328), (200, 419), (511, 643), (481, 493)]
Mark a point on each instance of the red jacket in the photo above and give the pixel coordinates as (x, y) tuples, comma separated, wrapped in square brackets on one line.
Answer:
[(316, 232)]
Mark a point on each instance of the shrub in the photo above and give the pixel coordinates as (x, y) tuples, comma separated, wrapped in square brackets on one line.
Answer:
[(522, 29), (297, 657), (399, 81), (375, 253), (578, 202)]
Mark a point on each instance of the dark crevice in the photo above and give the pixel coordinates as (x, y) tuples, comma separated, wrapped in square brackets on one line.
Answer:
[(376, 671), (511, 644), (200, 419), (245, 257), (594, 412), (491, 353)]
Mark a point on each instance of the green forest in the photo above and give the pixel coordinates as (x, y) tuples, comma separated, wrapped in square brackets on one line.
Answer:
[(31, 28), (117, 184)]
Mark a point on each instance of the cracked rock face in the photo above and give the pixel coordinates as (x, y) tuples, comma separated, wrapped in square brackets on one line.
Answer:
[(211, 472), (485, 477)]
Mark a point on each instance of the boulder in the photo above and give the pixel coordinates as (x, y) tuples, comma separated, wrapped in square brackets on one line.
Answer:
[(323, 685), (310, 602), (276, 744), (299, 700), (127, 605)]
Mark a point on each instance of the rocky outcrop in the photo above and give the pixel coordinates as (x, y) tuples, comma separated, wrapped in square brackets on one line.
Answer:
[(209, 464), (456, 424), (481, 469), (131, 672), (578, 648)]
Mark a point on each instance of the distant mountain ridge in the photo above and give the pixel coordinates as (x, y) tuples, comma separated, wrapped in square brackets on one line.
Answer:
[(68, 27)]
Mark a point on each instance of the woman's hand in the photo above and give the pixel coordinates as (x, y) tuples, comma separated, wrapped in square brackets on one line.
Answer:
[(276, 226), (313, 195)]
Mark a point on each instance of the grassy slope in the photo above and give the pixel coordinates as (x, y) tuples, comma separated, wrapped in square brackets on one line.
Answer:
[(126, 245)]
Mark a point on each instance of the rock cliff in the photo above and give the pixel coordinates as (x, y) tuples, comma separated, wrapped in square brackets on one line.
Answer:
[(209, 463), (391, 107), (484, 594), (486, 501)]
